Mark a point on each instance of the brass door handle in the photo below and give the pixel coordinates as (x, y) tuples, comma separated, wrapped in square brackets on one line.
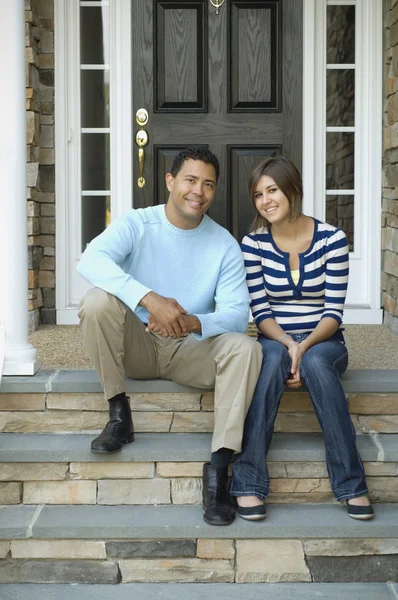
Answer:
[(141, 139)]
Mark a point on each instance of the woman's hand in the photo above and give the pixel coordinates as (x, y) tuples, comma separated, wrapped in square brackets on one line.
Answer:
[(296, 353)]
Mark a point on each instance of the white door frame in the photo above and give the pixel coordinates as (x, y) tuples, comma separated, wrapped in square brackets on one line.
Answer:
[(365, 261)]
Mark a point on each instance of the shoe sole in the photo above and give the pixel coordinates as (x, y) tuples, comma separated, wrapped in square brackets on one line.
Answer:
[(361, 517), (252, 517), (105, 451), (128, 441), (218, 524)]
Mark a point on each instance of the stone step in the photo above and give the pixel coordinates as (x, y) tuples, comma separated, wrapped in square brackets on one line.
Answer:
[(372, 381), (179, 447), (167, 469), (310, 521), (71, 401), (108, 545), (198, 591)]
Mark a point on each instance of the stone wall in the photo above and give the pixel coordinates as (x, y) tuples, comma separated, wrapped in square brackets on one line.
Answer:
[(389, 278), (39, 49), (196, 560)]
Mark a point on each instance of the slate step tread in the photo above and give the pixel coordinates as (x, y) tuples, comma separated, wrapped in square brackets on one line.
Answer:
[(198, 591), (377, 381), (178, 447), (98, 522)]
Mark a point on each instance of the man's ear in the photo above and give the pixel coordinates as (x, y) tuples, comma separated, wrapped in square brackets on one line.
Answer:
[(169, 181)]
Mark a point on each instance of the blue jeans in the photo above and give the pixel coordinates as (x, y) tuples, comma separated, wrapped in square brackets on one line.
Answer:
[(321, 368)]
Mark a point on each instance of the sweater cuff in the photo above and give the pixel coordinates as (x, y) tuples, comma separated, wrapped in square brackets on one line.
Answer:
[(132, 293), (331, 315), (209, 329), (213, 324), (209, 326), (261, 318)]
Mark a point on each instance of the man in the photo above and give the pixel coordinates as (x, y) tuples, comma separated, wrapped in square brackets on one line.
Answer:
[(170, 301)]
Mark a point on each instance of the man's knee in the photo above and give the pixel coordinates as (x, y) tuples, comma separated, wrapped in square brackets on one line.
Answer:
[(96, 303), (248, 347)]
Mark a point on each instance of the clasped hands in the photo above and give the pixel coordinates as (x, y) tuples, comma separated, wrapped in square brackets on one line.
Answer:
[(168, 318), (296, 353)]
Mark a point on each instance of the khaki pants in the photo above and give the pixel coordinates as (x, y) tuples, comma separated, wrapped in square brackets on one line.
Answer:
[(118, 345)]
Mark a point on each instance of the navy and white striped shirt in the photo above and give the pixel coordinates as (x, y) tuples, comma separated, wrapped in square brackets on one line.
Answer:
[(321, 289)]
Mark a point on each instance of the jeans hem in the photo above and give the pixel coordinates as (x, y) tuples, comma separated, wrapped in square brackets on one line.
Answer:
[(348, 495), (261, 495)]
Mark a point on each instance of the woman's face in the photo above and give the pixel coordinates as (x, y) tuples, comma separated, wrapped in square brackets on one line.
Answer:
[(270, 201)]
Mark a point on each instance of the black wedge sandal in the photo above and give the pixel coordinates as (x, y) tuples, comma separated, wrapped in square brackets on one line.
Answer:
[(362, 513)]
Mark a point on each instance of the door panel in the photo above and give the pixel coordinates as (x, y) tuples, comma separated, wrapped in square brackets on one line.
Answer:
[(231, 81), (241, 162), (180, 42), (254, 55)]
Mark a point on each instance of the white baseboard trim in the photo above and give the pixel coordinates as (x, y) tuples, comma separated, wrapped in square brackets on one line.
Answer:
[(67, 317), (363, 316)]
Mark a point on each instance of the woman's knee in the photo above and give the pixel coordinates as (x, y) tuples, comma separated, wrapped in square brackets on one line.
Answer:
[(313, 362), (274, 352), (312, 356), (320, 356)]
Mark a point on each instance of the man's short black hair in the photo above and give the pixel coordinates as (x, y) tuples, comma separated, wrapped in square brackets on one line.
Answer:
[(196, 153)]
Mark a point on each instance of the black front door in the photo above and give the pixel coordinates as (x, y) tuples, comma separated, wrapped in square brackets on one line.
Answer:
[(231, 81)]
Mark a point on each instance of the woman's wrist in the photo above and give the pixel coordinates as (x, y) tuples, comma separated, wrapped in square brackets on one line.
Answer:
[(303, 345), (286, 340)]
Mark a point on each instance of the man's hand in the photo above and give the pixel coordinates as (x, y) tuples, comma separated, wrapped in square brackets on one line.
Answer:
[(192, 325), (167, 314)]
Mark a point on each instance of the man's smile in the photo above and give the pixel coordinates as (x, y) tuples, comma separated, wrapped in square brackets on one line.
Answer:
[(194, 203)]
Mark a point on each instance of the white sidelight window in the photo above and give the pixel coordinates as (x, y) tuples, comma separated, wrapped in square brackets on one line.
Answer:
[(343, 136), (93, 107), (95, 131), (340, 118)]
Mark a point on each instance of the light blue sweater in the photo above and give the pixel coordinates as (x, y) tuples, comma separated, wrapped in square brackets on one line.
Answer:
[(201, 268)]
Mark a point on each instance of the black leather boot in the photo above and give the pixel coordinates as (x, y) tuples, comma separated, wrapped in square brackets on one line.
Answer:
[(217, 503), (118, 431)]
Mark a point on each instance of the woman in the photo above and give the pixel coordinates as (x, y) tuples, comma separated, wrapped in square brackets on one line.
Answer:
[(297, 275)]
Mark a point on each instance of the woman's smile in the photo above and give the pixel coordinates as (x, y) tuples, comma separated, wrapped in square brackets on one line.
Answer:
[(265, 194)]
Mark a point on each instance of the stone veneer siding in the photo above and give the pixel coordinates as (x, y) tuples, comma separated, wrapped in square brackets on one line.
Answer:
[(389, 279), (39, 51)]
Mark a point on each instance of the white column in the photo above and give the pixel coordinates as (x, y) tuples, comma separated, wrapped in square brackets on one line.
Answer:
[(20, 356)]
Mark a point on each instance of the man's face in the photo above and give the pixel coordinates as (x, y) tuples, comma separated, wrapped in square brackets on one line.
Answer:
[(191, 193)]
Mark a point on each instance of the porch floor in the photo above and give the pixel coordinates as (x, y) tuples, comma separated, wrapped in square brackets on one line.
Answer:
[(370, 347)]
